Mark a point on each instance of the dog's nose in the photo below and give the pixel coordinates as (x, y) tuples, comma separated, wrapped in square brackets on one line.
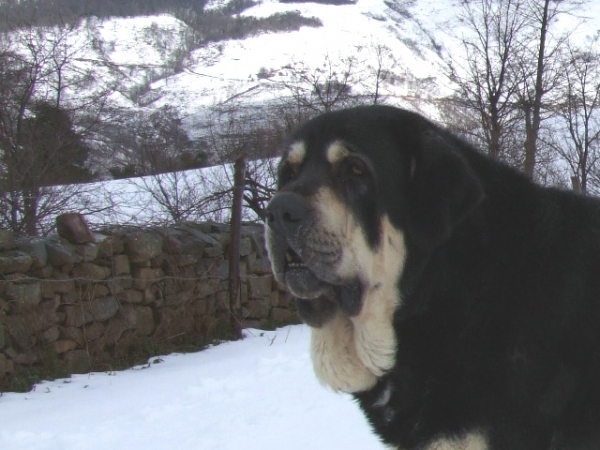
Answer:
[(286, 211)]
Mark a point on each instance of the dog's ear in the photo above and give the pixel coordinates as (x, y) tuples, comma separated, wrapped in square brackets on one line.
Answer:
[(443, 189)]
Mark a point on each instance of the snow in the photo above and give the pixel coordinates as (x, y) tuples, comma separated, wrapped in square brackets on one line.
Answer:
[(223, 70), (255, 394)]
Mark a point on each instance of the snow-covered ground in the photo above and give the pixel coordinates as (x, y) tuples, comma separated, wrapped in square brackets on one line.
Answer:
[(256, 394)]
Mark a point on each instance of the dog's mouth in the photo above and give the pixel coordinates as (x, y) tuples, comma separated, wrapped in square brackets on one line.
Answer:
[(318, 293), (300, 280)]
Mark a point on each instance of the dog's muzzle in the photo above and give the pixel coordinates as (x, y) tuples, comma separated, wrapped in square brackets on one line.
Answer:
[(288, 215), (304, 258)]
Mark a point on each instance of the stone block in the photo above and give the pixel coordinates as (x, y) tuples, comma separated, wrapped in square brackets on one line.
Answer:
[(243, 271), (12, 261), (42, 272), (245, 246), (282, 316), (286, 300), (70, 298), (183, 321), (145, 277), (130, 296), (74, 228), (201, 307), (258, 309), (220, 271), (60, 254), (40, 319), (73, 334), (202, 237), (77, 316), (102, 308), (258, 266), (87, 252), (192, 246), (63, 346), (254, 323), (149, 295), (61, 284), (145, 320), (128, 314), (120, 265), (244, 293), (275, 296), (37, 250), (6, 365), (93, 331), (257, 236), (208, 287), (98, 309), (118, 285), (110, 246), (185, 260), (179, 298), (87, 271), (213, 252), (123, 346), (18, 332), (78, 361), (171, 244), (98, 290), (50, 335), (114, 329), (142, 246), (260, 286), (7, 240), (26, 359), (24, 297)]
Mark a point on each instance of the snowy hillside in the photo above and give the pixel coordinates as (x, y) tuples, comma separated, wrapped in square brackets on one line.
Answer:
[(229, 70), (145, 56), (261, 67)]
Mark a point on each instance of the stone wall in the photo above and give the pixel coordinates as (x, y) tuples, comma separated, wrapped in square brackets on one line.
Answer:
[(96, 306)]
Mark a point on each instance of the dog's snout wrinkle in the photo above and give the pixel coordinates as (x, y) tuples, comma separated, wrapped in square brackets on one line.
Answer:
[(287, 211)]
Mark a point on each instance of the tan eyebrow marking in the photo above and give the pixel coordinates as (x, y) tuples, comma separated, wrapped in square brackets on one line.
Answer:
[(297, 153), (337, 152)]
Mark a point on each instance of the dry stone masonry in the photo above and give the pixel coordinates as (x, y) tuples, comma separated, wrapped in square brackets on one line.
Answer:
[(92, 303)]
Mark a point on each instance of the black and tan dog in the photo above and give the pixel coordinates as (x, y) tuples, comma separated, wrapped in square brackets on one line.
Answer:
[(455, 299)]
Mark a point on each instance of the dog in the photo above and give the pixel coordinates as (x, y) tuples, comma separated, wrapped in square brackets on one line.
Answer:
[(455, 299)]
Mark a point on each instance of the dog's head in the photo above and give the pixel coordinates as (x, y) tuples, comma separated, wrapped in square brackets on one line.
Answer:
[(354, 186), (359, 191)]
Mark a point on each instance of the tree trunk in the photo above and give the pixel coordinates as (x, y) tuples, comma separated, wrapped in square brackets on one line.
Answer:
[(534, 113)]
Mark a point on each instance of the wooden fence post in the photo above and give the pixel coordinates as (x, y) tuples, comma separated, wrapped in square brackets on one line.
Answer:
[(235, 305)]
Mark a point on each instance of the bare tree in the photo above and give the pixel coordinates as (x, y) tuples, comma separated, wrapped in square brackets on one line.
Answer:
[(512, 62), (327, 87), (484, 73), (579, 112), (539, 69), (380, 71), (233, 132), (43, 124)]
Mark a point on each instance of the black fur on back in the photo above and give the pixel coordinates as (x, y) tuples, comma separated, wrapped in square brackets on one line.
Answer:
[(499, 323)]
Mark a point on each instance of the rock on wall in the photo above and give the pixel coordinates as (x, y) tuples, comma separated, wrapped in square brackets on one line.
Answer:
[(93, 305)]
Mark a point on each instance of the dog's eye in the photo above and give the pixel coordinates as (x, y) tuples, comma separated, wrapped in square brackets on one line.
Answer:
[(357, 167)]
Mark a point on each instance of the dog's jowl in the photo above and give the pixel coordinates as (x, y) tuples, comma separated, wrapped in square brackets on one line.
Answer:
[(455, 299)]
